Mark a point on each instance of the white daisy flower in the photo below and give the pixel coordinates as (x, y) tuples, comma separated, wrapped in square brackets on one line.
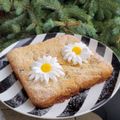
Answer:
[(46, 68), (76, 53)]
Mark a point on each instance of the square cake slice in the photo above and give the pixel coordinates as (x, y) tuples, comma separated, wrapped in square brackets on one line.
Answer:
[(76, 77)]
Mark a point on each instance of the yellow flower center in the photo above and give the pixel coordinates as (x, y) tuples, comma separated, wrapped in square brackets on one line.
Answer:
[(77, 50), (46, 67)]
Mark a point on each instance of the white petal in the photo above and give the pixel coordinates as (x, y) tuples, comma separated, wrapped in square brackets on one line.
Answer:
[(55, 59), (42, 77), (46, 77), (60, 72), (40, 61), (74, 61), (56, 66), (82, 45), (49, 57), (67, 50), (68, 46), (36, 69), (37, 77), (66, 56), (53, 78), (45, 59), (56, 73), (70, 58), (31, 77), (35, 64), (85, 56), (79, 60)]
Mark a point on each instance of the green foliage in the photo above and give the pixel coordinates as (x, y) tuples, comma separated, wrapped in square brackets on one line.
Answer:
[(49, 4), (109, 33), (99, 19), (73, 11), (85, 29), (6, 5), (101, 9), (20, 6)]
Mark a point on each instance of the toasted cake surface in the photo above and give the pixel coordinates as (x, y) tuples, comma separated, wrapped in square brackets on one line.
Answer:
[(76, 77)]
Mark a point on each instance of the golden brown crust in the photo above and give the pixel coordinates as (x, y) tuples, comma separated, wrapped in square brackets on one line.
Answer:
[(76, 77)]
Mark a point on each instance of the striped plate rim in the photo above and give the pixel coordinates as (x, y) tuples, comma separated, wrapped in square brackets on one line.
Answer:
[(13, 95)]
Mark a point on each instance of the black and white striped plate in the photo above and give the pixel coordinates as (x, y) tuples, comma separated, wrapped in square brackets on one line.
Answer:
[(13, 95)]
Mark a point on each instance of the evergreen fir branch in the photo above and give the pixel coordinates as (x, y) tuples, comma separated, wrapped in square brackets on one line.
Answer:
[(49, 4), (20, 6), (99, 19), (109, 32), (76, 12), (36, 23), (18, 19), (16, 28), (84, 29), (30, 27), (93, 7), (38, 29), (51, 24), (101, 9), (13, 25), (6, 5)]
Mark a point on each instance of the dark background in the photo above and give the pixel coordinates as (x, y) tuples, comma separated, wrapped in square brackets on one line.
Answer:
[(111, 110)]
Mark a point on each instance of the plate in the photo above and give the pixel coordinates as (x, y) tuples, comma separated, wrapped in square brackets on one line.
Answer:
[(14, 96)]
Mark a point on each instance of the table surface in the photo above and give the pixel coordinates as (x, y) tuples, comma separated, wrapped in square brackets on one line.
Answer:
[(12, 115)]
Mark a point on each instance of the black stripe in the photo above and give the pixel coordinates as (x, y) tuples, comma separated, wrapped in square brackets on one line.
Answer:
[(115, 63), (49, 35), (86, 40), (100, 49), (7, 82), (39, 112), (17, 100), (24, 42), (2, 57), (74, 104), (3, 63), (110, 84)]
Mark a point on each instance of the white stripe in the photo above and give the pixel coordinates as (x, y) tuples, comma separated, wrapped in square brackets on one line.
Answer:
[(11, 92), (108, 55), (95, 91), (5, 72), (117, 86), (38, 39), (78, 36), (56, 109), (8, 49), (59, 34), (93, 44), (92, 98), (27, 106)]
